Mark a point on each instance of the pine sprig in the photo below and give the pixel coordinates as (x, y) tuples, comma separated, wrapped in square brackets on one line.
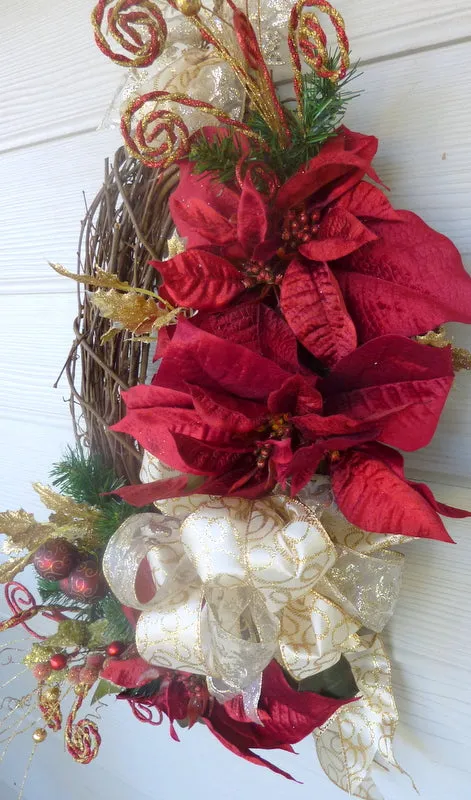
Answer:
[(323, 107), (84, 477), (219, 156)]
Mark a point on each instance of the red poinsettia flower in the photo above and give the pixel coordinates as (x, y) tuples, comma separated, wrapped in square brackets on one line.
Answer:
[(232, 404), (287, 715), (350, 267)]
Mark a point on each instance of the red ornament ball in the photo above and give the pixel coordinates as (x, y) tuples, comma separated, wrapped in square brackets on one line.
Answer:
[(114, 649), (86, 581), (55, 559), (58, 661)]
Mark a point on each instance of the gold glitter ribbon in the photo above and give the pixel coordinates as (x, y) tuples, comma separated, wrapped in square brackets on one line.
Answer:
[(361, 733), (240, 582)]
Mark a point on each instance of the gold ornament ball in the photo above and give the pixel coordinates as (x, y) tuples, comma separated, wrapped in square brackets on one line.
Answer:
[(189, 7), (39, 735), (51, 694)]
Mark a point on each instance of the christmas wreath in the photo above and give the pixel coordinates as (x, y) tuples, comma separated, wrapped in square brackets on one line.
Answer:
[(297, 321)]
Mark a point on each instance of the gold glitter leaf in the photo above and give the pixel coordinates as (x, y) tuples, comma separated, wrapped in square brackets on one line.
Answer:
[(175, 246), (10, 569), (65, 508), (102, 279), (135, 313), (23, 530), (461, 357), (131, 311)]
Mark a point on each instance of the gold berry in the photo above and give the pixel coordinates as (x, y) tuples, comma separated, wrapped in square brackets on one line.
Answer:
[(189, 7), (51, 694), (39, 735)]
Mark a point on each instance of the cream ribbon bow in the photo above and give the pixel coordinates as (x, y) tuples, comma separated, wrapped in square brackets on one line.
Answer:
[(230, 581)]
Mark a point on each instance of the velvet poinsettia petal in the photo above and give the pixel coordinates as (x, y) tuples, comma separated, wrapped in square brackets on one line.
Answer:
[(368, 202), (373, 496), (194, 214), (200, 279), (306, 459), (295, 396), (252, 221), (227, 412), (197, 357), (129, 672), (257, 327), (149, 396), (234, 737), (398, 383), (409, 281), (153, 428), (317, 426), (342, 162), (143, 494), (287, 716), (215, 195), (313, 306), (200, 458), (339, 234), (441, 508)]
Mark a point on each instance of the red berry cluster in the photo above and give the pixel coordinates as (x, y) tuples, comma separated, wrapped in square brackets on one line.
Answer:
[(258, 272), (299, 227)]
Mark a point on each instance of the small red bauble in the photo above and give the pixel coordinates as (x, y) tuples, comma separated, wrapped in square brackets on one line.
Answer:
[(55, 559), (86, 581), (115, 649), (58, 661)]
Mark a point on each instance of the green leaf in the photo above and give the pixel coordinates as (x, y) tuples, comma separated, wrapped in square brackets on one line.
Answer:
[(337, 682), (147, 690), (105, 688)]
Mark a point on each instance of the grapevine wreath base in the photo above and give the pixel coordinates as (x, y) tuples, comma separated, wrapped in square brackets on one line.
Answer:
[(221, 550)]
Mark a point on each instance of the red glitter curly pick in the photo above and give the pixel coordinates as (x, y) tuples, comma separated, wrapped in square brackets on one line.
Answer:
[(23, 605), (159, 137), (306, 34), (82, 738), (126, 26), (260, 170)]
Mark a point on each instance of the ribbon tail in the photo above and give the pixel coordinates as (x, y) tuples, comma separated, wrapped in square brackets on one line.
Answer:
[(361, 733)]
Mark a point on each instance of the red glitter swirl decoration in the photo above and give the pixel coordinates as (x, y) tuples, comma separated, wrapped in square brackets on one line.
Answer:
[(23, 606), (126, 21), (306, 34), (257, 170), (159, 137), (82, 738)]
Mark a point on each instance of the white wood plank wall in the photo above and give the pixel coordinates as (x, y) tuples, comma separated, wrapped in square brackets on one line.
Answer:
[(55, 87)]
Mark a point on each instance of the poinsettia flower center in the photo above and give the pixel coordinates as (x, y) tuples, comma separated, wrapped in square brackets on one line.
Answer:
[(276, 427), (258, 272), (300, 225)]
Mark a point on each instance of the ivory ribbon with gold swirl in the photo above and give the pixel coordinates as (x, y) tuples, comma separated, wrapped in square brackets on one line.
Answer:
[(240, 582)]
